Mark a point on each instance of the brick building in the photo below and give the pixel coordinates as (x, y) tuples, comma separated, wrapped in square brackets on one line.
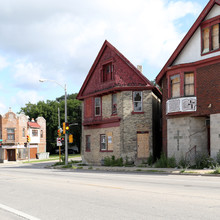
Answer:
[(121, 110), (191, 89), (13, 135)]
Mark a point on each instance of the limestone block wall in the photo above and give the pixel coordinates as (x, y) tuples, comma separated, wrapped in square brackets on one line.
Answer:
[(95, 155), (132, 122), (215, 134), (183, 133)]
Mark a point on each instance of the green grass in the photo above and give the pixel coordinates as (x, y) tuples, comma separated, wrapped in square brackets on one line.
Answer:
[(52, 157)]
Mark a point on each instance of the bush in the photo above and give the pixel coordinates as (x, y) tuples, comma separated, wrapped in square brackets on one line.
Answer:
[(150, 160), (113, 162), (183, 163), (203, 161), (165, 162)]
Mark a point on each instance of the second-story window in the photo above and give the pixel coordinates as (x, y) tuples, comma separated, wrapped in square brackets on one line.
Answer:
[(34, 133), (114, 104), (11, 133), (137, 101), (97, 106), (175, 86), (41, 133), (189, 84)]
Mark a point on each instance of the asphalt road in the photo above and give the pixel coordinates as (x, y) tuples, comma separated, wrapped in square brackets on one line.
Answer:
[(32, 192)]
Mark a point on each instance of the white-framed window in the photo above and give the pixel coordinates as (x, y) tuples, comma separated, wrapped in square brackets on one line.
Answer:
[(114, 104), (137, 101), (34, 133), (97, 106), (103, 142)]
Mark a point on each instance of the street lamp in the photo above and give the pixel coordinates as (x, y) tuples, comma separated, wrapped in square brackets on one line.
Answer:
[(64, 87)]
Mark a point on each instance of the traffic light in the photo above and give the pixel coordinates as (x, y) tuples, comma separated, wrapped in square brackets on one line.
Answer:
[(58, 132), (70, 138), (62, 141), (67, 127), (28, 138), (64, 127)]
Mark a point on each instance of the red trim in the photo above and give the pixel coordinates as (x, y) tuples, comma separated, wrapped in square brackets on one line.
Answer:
[(114, 89), (180, 113), (185, 40), (96, 126), (102, 121), (142, 132), (137, 113), (106, 151)]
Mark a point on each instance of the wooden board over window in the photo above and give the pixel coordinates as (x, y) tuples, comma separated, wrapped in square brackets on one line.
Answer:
[(143, 145), (110, 141), (215, 36), (205, 40)]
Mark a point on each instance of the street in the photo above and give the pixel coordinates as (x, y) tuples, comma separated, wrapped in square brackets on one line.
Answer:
[(29, 191)]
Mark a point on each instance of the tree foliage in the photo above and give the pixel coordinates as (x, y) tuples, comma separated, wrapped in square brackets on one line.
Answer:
[(49, 110)]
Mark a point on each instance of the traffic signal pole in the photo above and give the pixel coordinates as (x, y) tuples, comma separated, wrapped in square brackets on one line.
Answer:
[(66, 143)]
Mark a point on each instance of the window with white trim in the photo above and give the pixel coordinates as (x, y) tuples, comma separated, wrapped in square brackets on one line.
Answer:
[(103, 142), (11, 133), (97, 106)]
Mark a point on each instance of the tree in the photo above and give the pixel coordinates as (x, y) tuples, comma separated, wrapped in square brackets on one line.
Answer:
[(49, 110)]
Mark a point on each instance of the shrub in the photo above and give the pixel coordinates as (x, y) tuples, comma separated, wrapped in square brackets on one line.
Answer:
[(183, 163), (150, 160), (203, 161), (165, 162), (113, 162)]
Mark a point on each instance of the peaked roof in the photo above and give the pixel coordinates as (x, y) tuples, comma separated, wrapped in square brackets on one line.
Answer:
[(107, 44), (33, 124), (188, 36)]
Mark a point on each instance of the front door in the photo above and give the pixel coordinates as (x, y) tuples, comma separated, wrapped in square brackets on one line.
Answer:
[(143, 145), (11, 154)]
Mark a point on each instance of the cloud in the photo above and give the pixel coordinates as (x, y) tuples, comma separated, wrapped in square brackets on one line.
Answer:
[(3, 108), (3, 63), (24, 97), (60, 39)]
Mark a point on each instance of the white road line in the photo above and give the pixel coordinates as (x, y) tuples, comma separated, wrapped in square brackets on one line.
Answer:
[(17, 212)]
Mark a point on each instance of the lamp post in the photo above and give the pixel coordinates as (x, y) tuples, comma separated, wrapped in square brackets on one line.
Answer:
[(66, 143)]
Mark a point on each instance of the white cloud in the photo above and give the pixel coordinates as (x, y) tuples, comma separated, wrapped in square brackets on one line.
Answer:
[(60, 39), (3, 108), (23, 97)]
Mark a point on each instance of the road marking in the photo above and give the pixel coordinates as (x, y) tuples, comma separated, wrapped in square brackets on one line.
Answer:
[(17, 212)]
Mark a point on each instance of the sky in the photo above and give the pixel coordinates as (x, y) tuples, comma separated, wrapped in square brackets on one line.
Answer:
[(59, 40)]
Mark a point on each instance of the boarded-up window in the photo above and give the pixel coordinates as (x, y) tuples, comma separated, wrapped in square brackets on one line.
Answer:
[(205, 34), (88, 143), (97, 106), (88, 108), (215, 36), (114, 104), (109, 141), (189, 84), (175, 86)]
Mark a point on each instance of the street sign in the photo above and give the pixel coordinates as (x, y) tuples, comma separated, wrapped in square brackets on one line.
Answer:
[(59, 142), (1, 140)]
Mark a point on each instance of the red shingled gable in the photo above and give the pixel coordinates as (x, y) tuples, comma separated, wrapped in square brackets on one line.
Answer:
[(185, 40), (33, 125), (126, 75)]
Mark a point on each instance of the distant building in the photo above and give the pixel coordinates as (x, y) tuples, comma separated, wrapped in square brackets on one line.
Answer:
[(13, 137), (191, 90), (121, 110)]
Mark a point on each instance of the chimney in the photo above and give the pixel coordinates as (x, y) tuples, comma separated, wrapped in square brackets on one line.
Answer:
[(140, 68), (32, 120)]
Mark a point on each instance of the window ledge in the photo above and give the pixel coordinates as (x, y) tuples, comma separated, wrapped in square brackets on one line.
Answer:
[(137, 113), (106, 151)]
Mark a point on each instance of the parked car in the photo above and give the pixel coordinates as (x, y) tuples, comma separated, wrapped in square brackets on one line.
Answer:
[(73, 150), (57, 151)]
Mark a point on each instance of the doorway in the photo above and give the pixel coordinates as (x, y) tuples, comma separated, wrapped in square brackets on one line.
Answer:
[(11, 154)]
